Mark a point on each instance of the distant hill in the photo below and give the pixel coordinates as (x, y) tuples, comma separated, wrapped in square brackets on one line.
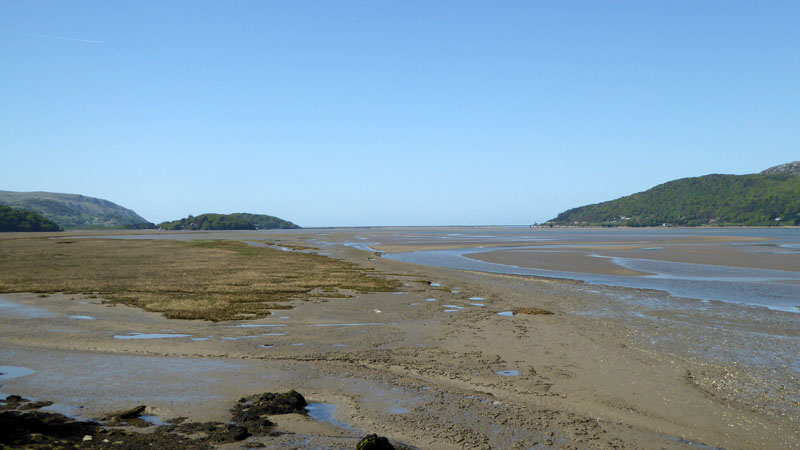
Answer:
[(12, 219), (75, 211), (767, 199), (237, 221)]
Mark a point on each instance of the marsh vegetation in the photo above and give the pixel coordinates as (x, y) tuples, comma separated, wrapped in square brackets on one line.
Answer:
[(212, 280)]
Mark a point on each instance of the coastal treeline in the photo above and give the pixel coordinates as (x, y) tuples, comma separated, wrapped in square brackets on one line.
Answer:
[(12, 219), (236, 221), (723, 200)]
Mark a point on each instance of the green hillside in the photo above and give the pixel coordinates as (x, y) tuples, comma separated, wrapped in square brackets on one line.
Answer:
[(770, 198), (12, 219), (75, 211), (237, 221)]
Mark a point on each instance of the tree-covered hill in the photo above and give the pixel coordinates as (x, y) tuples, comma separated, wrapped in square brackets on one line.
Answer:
[(75, 211), (237, 221), (770, 198), (12, 219)]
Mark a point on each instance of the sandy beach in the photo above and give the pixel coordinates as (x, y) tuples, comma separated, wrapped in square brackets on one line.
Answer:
[(433, 365)]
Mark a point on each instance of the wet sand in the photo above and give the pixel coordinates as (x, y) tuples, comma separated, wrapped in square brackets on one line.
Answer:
[(599, 373)]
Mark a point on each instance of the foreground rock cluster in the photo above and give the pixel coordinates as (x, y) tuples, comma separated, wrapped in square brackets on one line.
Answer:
[(23, 425)]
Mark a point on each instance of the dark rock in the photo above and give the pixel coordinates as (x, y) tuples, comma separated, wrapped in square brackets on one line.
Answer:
[(216, 432), (251, 412), (128, 417), (16, 428), (291, 402), (238, 433), (40, 430), (13, 402), (254, 422), (374, 442), (131, 413), (37, 405)]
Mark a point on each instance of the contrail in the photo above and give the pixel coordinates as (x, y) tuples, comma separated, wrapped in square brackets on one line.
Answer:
[(62, 38)]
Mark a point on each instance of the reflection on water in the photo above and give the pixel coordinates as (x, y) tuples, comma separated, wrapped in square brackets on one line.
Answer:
[(11, 372), (113, 381), (13, 309), (153, 420), (238, 338), (66, 410), (151, 336), (362, 246), (324, 413), (397, 410)]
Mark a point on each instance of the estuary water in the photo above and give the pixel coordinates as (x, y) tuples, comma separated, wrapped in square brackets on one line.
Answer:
[(768, 288)]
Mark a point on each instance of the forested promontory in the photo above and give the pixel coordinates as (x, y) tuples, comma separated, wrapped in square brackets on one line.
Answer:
[(770, 198), (236, 221)]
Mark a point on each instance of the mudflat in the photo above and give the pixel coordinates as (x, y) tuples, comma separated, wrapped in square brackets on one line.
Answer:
[(421, 356)]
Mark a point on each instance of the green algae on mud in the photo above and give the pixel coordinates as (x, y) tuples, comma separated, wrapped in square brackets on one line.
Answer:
[(211, 280)]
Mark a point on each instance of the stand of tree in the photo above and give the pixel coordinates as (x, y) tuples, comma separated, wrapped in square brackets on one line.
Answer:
[(141, 226), (733, 200), (237, 221), (12, 219)]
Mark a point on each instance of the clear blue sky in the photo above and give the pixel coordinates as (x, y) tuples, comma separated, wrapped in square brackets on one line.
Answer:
[(340, 113)]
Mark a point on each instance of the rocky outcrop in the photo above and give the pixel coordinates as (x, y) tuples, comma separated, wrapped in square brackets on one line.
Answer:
[(374, 442), (21, 427), (251, 412), (792, 168)]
